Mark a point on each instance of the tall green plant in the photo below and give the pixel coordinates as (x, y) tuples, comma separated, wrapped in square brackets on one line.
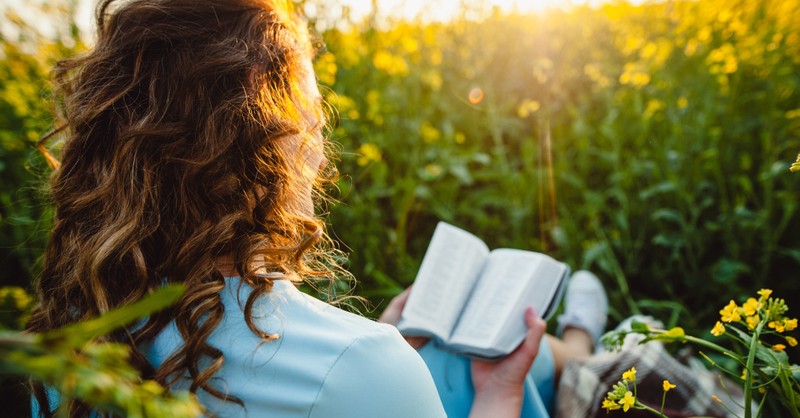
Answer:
[(71, 362), (671, 125), (26, 57)]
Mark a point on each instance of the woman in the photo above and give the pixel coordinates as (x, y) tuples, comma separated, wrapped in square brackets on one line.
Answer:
[(193, 150)]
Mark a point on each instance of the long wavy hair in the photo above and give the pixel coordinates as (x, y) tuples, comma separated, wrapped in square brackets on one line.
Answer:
[(170, 162)]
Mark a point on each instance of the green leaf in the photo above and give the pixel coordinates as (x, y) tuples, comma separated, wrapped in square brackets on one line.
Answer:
[(660, 188), (676, 334), (637, 326), (741, 334), (727, 271), (777, 360), (78, 334)]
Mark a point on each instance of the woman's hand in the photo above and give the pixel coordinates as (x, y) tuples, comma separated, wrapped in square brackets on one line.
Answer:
[(499, 385), (391, 315)]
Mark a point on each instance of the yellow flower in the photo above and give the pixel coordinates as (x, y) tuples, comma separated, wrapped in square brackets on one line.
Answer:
[(610, 405), (750, 307), (667, 386), (718, 329), (776, 325), (429, 133), (789, 324), (730, 313), (752, 321), (716, 398), (528, 107), (744, 374), (391, 64), (627, 401), (630, 375), (778, 347), (368, 153), (433, 170), (653, 106), (765, 293), (795, 165), (634, 75), (792, 341)]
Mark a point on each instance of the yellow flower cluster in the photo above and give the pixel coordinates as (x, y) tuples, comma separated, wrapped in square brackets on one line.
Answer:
[(621, 396), (391, 64), (630, 375), (723, 60), (795, 165), (783, 325), (764, 310), (634, 75), (369, 152)]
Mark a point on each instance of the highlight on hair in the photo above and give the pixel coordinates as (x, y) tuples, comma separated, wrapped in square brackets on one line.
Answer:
[(171, 162)]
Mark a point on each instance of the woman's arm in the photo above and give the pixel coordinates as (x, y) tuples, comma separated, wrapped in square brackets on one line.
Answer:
[(498, 385)]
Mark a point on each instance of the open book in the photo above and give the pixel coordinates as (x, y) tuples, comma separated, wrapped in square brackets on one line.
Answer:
[(472, 300)]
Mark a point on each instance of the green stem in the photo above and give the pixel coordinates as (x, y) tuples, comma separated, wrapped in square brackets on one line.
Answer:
[(788, 396), (708, 344), (647, 408), (748, 381)]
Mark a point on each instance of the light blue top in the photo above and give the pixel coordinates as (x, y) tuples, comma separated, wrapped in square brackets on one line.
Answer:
[(333, 364), (454, 382), (327, 363)]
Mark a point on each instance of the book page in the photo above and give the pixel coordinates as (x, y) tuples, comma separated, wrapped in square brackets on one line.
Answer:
[(444, 281), (512, 280)]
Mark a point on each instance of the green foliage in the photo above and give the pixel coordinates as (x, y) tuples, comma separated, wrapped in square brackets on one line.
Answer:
[(15, 303), (672, 129), (668, 130), (98, 373), (26, 57), (759, 333)]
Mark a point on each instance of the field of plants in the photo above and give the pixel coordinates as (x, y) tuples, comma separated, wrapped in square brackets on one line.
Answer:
[(648, 143)]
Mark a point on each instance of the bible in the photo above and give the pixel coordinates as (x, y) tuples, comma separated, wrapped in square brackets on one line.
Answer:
[(472, 300)]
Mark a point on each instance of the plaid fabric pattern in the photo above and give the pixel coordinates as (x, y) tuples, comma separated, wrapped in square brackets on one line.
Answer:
[(584, 384)]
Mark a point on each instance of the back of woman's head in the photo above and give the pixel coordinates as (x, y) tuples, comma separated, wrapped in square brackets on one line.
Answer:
[(171, 160)]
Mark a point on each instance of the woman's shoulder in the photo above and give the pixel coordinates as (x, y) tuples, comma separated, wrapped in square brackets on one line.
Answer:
[(290, 313), (325, 361)]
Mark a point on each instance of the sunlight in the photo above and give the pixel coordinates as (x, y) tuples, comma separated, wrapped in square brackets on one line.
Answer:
[(334, 14), (443, 10)]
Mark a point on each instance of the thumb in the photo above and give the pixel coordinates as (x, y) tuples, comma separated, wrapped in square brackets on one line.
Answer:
[(536, 330)]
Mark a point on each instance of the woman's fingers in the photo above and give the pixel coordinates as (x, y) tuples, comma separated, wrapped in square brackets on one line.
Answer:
[(536, 331), (391, 315)]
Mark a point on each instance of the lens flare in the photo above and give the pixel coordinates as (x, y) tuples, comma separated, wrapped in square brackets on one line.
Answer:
[(475, 95)]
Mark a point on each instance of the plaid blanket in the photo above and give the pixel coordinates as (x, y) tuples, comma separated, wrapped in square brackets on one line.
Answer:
[(584, 384)]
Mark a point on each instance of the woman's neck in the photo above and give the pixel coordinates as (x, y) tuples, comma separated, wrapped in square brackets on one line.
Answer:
[(226, 266)]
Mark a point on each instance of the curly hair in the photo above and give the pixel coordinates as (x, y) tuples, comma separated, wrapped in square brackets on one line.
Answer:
[(171, 161)]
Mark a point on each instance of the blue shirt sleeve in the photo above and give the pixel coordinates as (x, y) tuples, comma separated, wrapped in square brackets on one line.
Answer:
[(380, 376), (453, 378)]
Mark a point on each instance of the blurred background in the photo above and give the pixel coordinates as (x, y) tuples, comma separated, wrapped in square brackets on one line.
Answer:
[(649, 142)]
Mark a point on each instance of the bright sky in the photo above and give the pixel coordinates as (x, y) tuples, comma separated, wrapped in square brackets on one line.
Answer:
[(444, 9), (436, 9), (429, 9)]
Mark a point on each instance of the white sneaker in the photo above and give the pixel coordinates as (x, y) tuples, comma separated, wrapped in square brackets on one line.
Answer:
[(632, 340), (585, 305)]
